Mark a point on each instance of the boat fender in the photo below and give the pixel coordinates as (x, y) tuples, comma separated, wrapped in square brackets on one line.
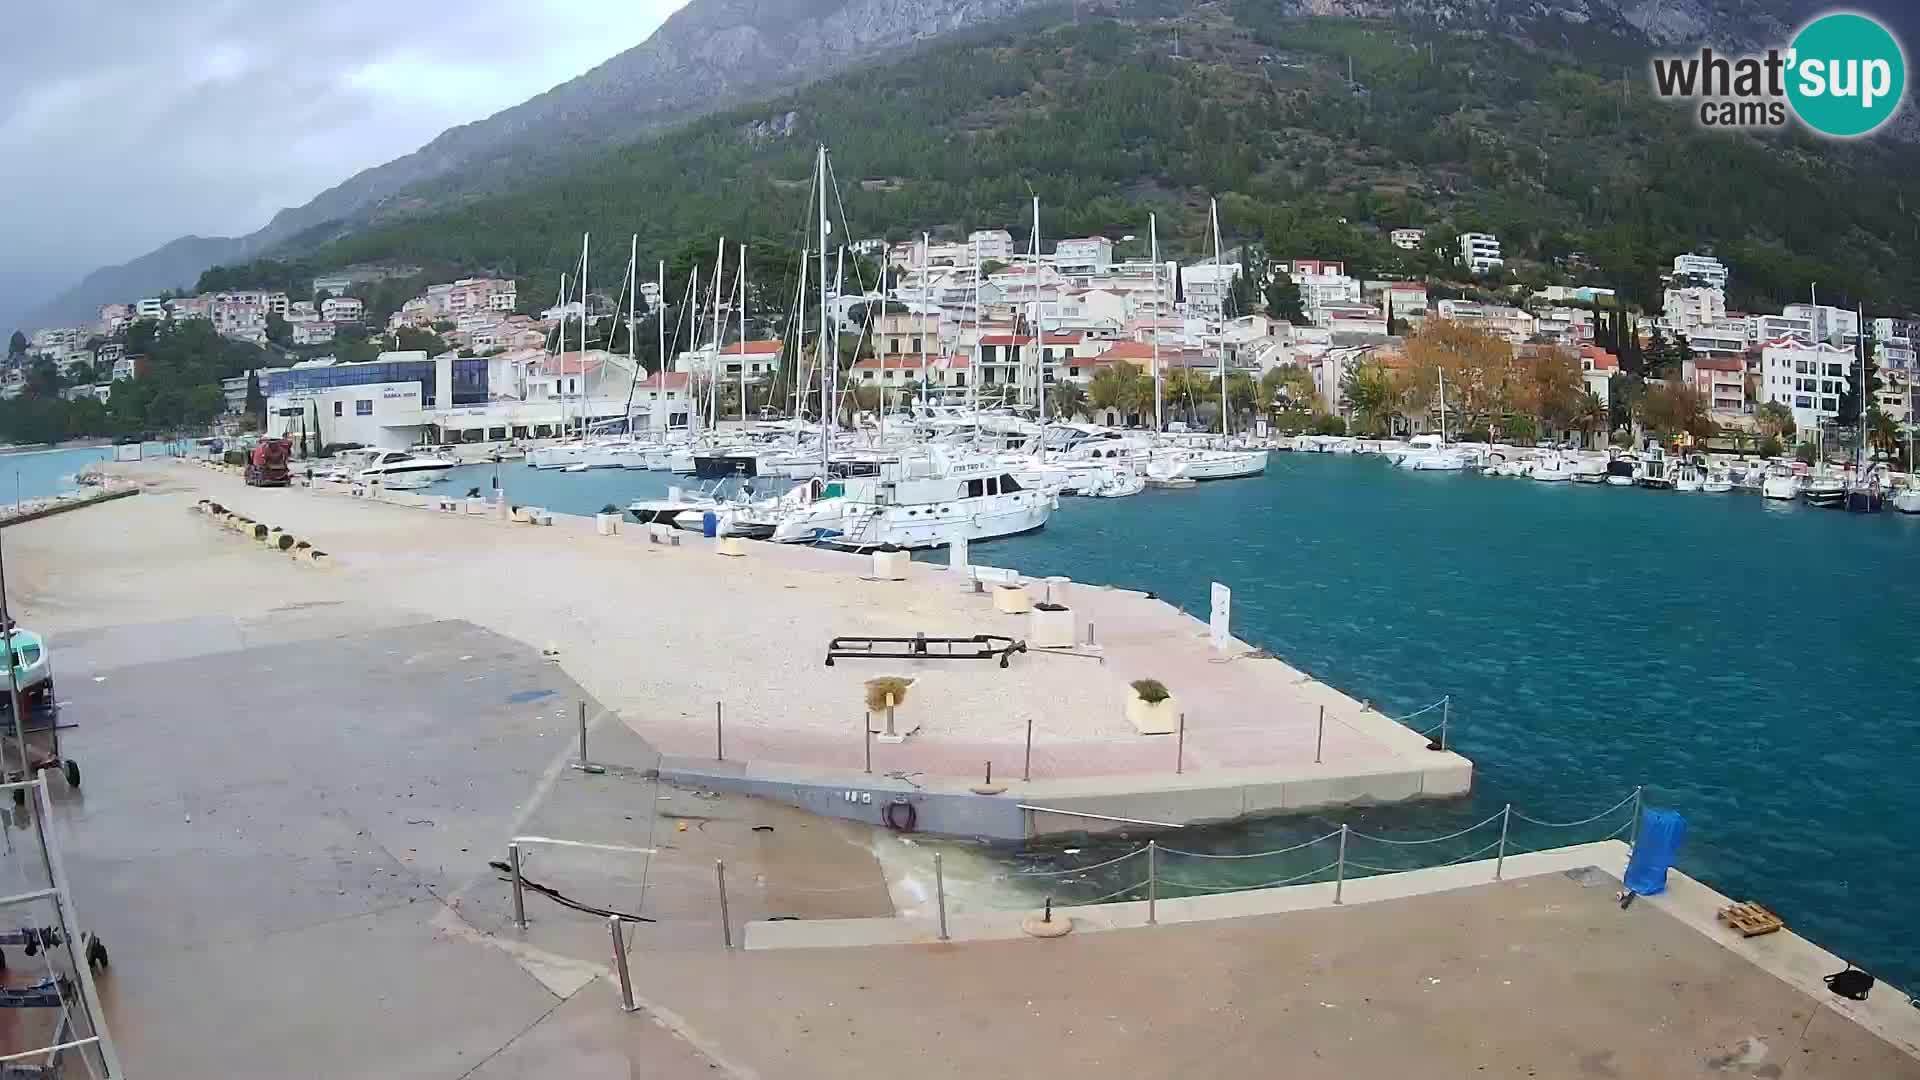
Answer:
[(898, 821)]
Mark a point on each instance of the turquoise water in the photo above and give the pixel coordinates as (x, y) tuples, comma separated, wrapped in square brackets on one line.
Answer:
[(27, 474), (1750, 662)]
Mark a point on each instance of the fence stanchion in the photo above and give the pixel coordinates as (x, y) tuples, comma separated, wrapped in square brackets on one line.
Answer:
[(1639, 803), (1153, 881), (620, 963), (940, 893), (1340, 868), (726, 922), (1446, 715), (1320, 740), (719, 742), (1026, 765), (866, 726), (1500, 863), (519, 901), (1180, 748), (584, 764)]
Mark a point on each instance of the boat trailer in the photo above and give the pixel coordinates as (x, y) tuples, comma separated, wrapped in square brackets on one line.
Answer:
[(922, 647)]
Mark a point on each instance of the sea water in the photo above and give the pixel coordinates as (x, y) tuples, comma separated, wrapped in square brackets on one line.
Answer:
[(1750, 662), (32, 474)]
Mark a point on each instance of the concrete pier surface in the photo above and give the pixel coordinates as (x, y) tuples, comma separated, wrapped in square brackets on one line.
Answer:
[(662, 635), (296, 775)]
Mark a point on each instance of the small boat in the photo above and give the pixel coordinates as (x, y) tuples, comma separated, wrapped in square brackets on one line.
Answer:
[(1622, 472), (1551, 468), (664, 511), (1907, 500), (1824, 489), (1686, 477), (32, 671), (1718, 481), (1588, 469), (1656, 471), (1781, 482)]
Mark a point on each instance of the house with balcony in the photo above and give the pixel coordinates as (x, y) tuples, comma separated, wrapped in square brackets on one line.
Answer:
[(1407, 239), (1509, 323), (1721, 380), (1480, 252), (1808, 379)]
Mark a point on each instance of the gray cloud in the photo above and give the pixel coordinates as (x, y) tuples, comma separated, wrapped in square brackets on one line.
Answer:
[(125, 124)]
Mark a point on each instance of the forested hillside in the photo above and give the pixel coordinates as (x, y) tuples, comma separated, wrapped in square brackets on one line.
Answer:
[(1100, 119)]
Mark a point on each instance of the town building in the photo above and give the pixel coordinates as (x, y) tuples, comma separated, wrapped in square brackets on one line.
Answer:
[(1597, 369), (757, 358), (1480, 252), (190, 307), (984, 244), (1764, 328), (1512, 324), (1721, 380), (1083, 257), (1727, 337), (1687, 307), (1808, 379), (1408, 239), (347, 309), (1207, 286), (1565, 326), (150, 308), (1838, 326), (130, 367), (312, 333), (333, 284), (235, 391), (1895, 338), (1322, 284), (1699, 269), (1575, 294)]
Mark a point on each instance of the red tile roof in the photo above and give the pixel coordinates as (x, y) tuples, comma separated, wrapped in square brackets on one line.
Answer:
[(665, 380), (1703, 362), (1006, 339), (1128, 350), (1602, 359)]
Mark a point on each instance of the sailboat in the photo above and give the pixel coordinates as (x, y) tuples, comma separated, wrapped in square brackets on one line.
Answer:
[(1435, 456), (1907, 500)]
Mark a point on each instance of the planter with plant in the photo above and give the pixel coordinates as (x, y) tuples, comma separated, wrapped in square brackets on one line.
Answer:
[(1050, 626), (1151, 708), (607, 521), (883, 697)]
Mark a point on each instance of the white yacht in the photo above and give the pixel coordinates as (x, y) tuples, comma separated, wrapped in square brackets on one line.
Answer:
[(1623, 471), (400, 470), (1907, 499), (1686, 476), (1655, 470), (1429, 453), (1206, 464), (1589, 469), (927, 501), (1824, 488), (1781, 482), (1718, 481)]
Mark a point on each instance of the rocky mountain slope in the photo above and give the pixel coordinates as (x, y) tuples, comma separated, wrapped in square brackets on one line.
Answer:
[(718, 53)]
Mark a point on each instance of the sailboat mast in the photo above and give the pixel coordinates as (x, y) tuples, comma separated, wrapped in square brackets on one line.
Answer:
[(827, 361), (1213, 210), (1153, 243), (743, 335), (583, 336), (560, 350), (693, 341), (1039, 335), (719, 331), (919, 318), (799, 344), (633, 304)]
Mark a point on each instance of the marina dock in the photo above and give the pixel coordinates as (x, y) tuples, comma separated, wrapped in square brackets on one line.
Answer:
[(297, 779)]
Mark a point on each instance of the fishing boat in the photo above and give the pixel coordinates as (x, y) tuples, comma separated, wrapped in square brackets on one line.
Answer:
[(1824, 489), (1550, 468), (1781, 482), (1718, 481)]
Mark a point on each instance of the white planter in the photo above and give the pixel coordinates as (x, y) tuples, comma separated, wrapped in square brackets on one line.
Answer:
[(1011, 600), (890, 565), (729, 545), (1160, 718), (606, 524), (1050, 629), (476, 505)]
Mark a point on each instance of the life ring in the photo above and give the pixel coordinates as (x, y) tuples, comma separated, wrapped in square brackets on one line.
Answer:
[(912, 816)]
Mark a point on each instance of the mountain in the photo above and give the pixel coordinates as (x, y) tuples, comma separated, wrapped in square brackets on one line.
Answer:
[(719, 54), (708, 55)]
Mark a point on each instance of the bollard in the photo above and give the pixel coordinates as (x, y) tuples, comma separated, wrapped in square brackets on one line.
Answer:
[(1026, 765), (620, 964), (719, 733), (866, 725), (1340, 868), (1153, 882), (726, 924), (1500, 863), (519, 901), (1320, 740), (1180, 747), (940, 893)]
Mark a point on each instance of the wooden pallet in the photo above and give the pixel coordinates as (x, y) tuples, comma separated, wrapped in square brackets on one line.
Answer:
[(1750, 919)]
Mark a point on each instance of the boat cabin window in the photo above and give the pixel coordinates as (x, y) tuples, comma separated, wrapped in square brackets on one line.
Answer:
[(1008, 485), (993, 485), (976, 488)]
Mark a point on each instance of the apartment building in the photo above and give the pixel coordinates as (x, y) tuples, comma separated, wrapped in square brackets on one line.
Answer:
[(1480, 252), (1807, 379), (1510, 323), (1702, 269), (1407, 239)]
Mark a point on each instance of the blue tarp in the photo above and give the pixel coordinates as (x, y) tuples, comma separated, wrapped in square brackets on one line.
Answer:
[(1661, 834)]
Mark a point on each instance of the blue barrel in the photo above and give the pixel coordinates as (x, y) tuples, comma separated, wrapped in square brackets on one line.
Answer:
[(709, 524), (1661, 834)]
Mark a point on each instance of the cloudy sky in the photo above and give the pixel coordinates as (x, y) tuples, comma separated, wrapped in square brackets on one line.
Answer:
[(126, 124)]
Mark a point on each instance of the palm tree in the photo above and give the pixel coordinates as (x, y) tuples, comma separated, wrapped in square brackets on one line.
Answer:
[(1066, 400), (1882, 433), (1112, 386), (1369, 391), (1590, 414)]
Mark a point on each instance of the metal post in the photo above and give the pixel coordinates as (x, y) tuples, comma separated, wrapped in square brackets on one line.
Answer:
[(1639, 806), (1089, 632), (719, 735), (519, 901), (1153, 881), (726, 923), (940, 894), (13, 676), (866, 725), (620, 963), (1026, 765), (1500, 864), (1340, 868), (1320, 740), (1180, 747), (583, 733)]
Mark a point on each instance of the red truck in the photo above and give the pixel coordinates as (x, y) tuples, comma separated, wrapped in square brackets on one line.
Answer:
[(267, 464)]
